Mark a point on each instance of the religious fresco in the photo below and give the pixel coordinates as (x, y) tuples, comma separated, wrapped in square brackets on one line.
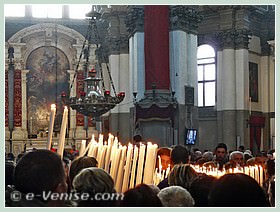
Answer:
[(253, 82), (45, 82)]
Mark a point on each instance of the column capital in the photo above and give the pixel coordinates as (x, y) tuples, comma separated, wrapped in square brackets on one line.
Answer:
[(117, 44), (184, 18), (135, 19), (233, 38)]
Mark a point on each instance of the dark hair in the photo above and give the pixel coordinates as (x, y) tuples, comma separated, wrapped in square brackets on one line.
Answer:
[(237, 190), (9, 169), (80, 163), (140, 196), (179, 154), (200, 188), (38, 171), (164, 151), (221, 145)]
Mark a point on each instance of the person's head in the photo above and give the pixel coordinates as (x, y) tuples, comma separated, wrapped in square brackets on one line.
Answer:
[(221, 152), (9, 170), (164, 154), (179, 154), (237, 190), (200, 188), (80, 163), (175, 196), (237, 158), (92, 181), (140, 196), (208, 156), (10, 156), (261, 158), (182, 175), (40, 171), (241, 148)]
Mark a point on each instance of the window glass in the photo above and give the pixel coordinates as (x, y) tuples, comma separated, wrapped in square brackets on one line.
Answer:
[(14, 10), (210, 94), (47, 11)]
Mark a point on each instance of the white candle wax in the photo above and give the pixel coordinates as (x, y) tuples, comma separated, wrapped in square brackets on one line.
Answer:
[(135, 158), (61, 141), (127, 168), (51, 125)]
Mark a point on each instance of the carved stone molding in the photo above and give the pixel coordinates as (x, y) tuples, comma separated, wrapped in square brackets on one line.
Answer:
[(235, 39), (184, 18), (135, 19), (117, 45)]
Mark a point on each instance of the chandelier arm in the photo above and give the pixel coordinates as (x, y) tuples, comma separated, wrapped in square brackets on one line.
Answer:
[(102, 79), (111, 80), (80, 57)]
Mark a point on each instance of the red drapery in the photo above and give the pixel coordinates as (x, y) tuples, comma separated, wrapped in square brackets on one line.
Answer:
[(17, 99), (80, 81), (156, 28), (256, 123)]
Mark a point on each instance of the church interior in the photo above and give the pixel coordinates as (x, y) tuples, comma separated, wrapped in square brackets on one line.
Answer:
[(167, 75), (161, 65)]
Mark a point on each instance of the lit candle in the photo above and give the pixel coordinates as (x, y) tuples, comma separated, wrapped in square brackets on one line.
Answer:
[(261, 176), (140, 164), (113, 155), (62, 132), (51, 124), (150, 163), (120, 174), (100, 149), (83, 148), (135, 158), (115, 163), (256, 173), (127, 168), (101, 164), (108, 154)]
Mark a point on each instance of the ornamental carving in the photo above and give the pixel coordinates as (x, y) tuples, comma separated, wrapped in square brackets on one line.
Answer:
[(135, 19), (184, 18), (236, 39)]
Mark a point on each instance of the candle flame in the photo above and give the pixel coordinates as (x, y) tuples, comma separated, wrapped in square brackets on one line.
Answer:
[(53, 106), (65, 108)]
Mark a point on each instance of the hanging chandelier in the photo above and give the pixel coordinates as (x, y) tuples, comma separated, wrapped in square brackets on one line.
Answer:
[(94, 100)]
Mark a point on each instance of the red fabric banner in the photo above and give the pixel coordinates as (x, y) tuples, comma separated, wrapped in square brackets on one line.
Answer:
[(80, 82), (156, 28), (17, 99), (256, 123)]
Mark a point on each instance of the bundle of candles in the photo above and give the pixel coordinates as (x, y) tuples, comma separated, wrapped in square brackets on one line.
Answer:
[(128, 165), (256, 172), (131, 165)]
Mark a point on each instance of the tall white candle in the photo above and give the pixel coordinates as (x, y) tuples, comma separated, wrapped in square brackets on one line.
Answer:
[(261, 176), (127, 167), (108, 153), (61, 141), (120, 173), (135, 158), (51, 124), (115, 163), (149, 163), (83, 148), (140, 164)]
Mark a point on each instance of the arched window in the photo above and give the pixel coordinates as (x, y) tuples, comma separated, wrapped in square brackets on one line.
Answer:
[(206, 75)]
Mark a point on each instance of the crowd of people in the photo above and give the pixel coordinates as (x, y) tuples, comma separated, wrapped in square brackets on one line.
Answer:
[(40, 178)]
